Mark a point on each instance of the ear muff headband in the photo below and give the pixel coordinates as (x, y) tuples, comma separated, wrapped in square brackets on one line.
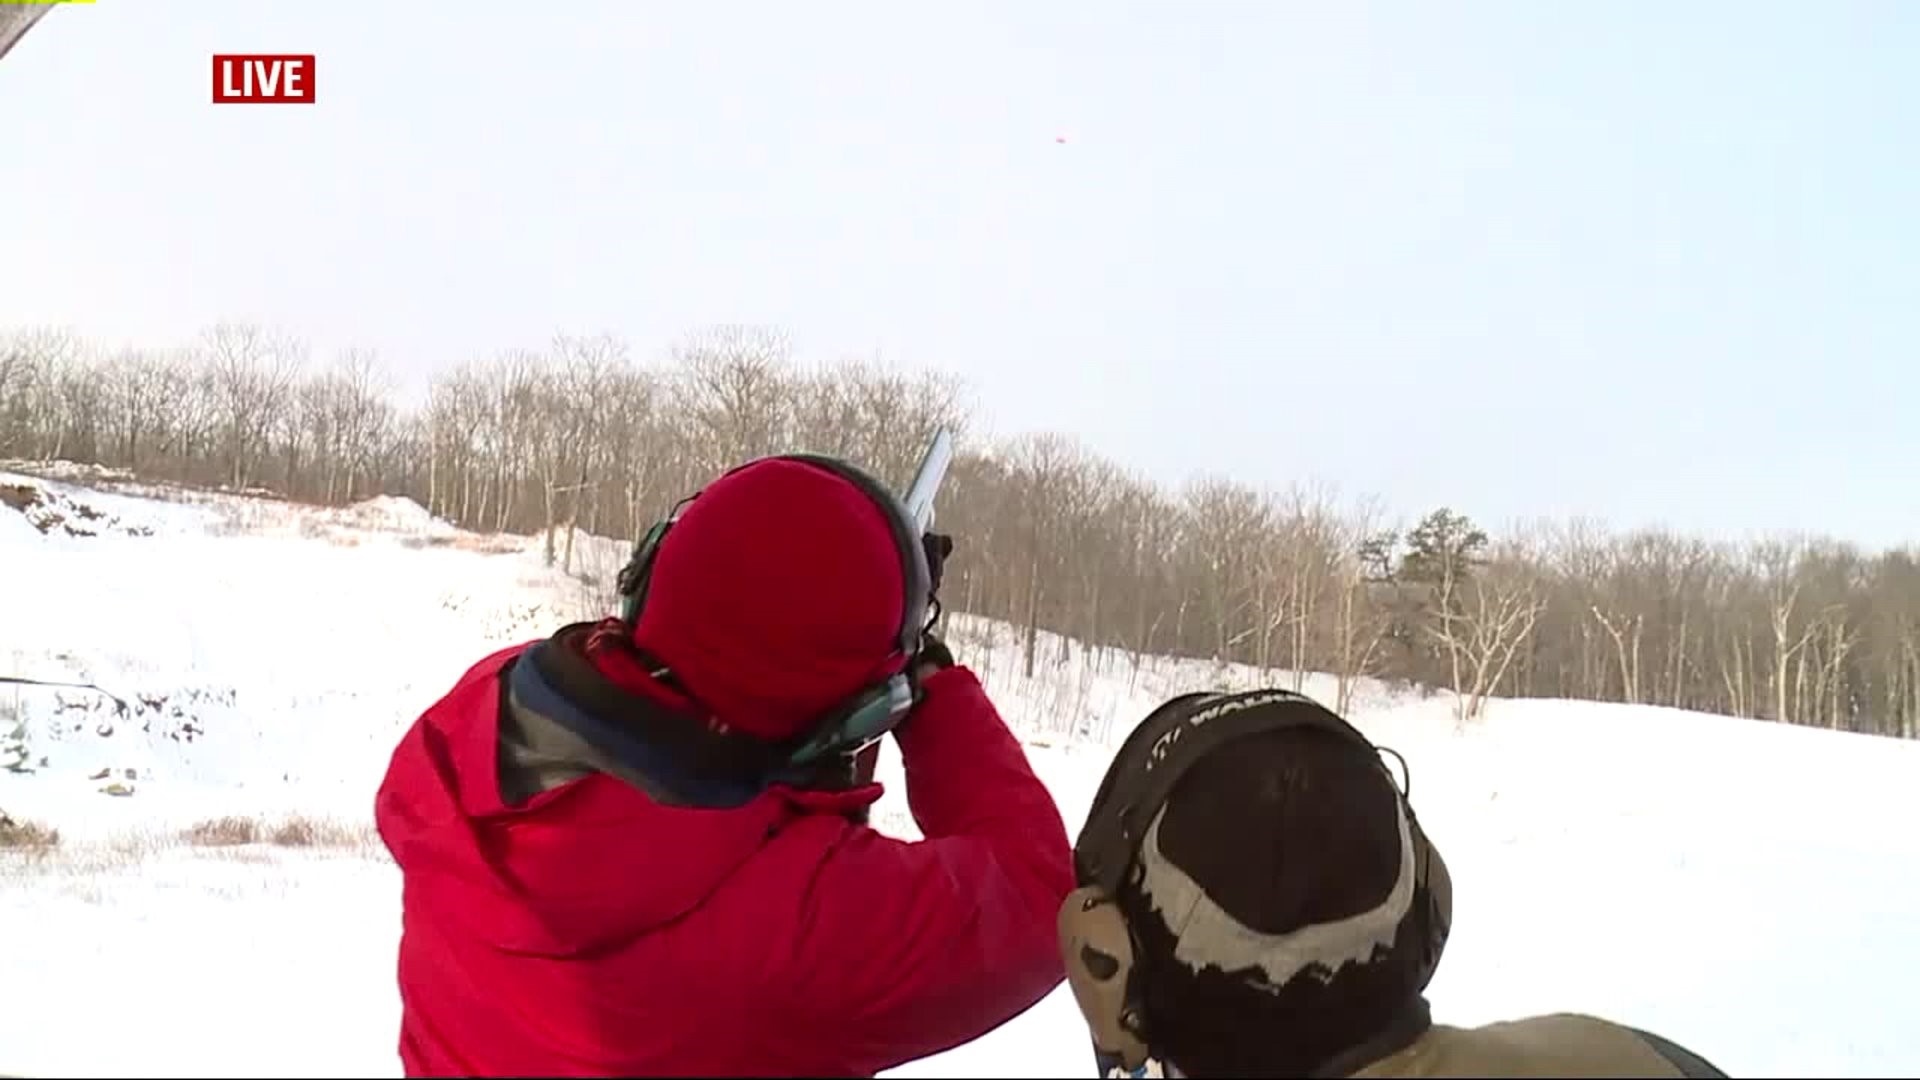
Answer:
[(638, 573), (1097, 945), (870, 714), (916, 578), (917, 587), (1160, 751)]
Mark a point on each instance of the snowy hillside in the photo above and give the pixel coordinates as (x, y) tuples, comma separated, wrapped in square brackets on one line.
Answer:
[(269, 654), (1744, 888)]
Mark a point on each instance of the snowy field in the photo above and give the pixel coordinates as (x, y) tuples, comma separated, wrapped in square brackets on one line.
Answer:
[(1746, 889)]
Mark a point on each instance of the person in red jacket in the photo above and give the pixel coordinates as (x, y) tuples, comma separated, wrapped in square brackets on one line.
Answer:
[(637, 847)]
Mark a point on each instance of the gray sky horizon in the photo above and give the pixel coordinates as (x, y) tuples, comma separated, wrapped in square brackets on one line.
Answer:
[(1523, 260)]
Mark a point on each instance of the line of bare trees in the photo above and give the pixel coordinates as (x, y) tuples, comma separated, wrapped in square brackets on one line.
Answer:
[(580, 436)]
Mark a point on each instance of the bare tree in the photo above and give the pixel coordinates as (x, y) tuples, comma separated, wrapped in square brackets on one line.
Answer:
[(736, 391), (141, 390), (1041, 470), (361, 416), (1790, 630), (32, 362), (1360, 622), (253, 374), (1226, 526), (1483, 619)]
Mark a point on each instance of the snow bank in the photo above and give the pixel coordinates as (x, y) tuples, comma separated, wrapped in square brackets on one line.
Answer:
[(392, 513), (16, 529)]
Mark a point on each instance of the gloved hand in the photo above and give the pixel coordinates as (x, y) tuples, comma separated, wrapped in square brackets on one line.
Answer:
[(933, 656)]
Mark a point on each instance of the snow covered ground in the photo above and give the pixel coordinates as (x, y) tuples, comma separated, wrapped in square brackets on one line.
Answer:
[(1747, 889)]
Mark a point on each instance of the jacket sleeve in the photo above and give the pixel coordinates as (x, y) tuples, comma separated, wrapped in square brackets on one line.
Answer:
[(911, 948), (1690, 1065)]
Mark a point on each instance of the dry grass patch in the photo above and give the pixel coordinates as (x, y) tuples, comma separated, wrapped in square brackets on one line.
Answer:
[(477, 543), (308, 832), (19, 497), (31, 837), (290, 832), (222, 832), (32, 851)]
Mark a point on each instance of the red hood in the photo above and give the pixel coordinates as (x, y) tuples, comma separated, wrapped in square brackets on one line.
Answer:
[(536, 879)]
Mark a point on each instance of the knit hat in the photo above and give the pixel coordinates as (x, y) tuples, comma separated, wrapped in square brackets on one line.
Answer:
[(777, 595), (1286, 908)]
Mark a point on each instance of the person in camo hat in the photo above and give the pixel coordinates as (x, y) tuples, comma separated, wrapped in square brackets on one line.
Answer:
[(1257, 899), (637, 847)]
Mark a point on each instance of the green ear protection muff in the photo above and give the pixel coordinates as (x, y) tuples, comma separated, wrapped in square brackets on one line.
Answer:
[(870, 714), (638, 572)]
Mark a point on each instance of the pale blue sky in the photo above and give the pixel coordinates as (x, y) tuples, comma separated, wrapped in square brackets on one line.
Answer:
[(1648, 262)]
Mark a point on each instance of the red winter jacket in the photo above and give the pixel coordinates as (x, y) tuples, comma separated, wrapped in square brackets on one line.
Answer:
[(594, 932)]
